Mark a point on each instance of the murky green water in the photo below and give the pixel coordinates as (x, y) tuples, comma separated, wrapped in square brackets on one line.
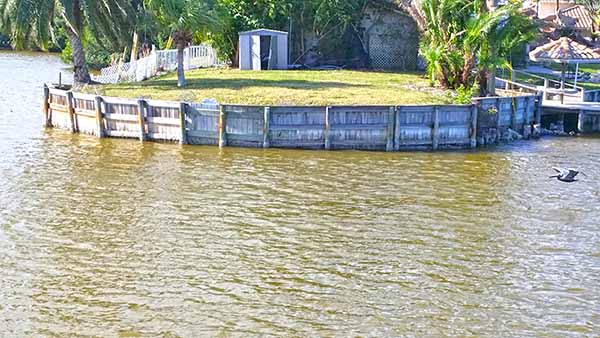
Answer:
[(118, 238)]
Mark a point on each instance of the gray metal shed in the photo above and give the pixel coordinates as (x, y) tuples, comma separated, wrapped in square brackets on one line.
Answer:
[(263, 49)]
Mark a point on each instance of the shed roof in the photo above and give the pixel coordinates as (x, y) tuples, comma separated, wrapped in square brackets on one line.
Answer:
[(264, 32)]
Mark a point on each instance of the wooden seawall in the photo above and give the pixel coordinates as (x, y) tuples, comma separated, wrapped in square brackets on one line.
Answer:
[(385, 128)]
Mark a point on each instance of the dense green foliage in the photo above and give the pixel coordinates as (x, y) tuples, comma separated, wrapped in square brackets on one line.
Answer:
[(181, 20), (32, 24), (327, 20), (464, 42)]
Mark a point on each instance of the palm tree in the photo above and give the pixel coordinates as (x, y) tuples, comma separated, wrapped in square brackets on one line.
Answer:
[(464, 42), (30, 24), (593, 6), (182, 19)]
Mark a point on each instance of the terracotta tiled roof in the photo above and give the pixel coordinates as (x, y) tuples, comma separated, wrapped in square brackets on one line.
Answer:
[(565, 50), (577, 17)]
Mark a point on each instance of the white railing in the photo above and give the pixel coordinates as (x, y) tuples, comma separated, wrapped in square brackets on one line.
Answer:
[(202, 56)]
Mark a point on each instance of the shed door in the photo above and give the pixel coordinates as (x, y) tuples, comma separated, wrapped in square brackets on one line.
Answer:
[(273, 63), (255, 54)]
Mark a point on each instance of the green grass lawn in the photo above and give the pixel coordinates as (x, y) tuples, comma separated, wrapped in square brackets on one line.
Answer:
[(584, 68), (232, 86), (534, 81)]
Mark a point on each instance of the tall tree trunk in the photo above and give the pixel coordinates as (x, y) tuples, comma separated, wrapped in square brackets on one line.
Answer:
[(81, 73), (134, 47), (180, 69)]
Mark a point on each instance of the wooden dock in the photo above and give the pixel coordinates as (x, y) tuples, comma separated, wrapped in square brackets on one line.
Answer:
[(383, 128)]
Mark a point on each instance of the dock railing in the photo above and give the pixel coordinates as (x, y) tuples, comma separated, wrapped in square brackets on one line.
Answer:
[(548, 87)]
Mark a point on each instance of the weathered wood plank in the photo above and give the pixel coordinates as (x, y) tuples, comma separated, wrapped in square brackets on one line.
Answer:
[(121, 117), (267, 127), (82, 96), (46, 107), (141, 119), (327, 133), (122, 133), (436, 129), (84, 112), (222, 126), (473, 130), (99, 117), (165, 121), (57, 92), (183, 108), (71, 112), (244, 137), (391, 126), (203, 134), (382, 126)]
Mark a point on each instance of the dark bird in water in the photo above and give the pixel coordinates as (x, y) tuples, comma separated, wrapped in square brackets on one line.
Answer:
[(565, 175)]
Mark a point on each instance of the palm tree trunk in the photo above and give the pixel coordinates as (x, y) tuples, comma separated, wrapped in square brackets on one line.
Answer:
[(180, 70), (134, 47), (81, 73)]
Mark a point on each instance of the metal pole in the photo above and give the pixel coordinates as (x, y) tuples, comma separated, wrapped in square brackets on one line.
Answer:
[(562, 84)]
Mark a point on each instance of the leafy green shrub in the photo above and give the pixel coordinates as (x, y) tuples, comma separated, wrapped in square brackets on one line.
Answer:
[(464, 95)]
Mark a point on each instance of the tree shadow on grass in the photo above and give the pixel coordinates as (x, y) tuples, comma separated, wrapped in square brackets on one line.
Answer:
[(237, 84)]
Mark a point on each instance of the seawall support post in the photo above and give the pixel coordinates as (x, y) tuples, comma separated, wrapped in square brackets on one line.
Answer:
[(99, 117), (526, 130), (183, 108), (71, 111), (327, 133), (141, 119), (397, 128), (473, 134), (537, 126), (391, 125), (498, 119), (435, 142), (266, 127), (581, 122), (222, 126), (513, 115), (46, 107)]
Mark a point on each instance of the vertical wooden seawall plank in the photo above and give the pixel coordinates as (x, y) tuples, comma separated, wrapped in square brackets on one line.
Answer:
[(581, 122), (397, 128), (391, 126), (141, 120), (327, 133), (99, 116), (498, 119), (474, 111), (537, 127), (513, 114), (222, 126), (435, 142), (46, 107), (266, 127), (525, 130), (183, 108), (71, 111)]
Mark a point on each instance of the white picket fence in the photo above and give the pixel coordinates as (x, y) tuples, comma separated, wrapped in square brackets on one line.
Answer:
[(202, 56)]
